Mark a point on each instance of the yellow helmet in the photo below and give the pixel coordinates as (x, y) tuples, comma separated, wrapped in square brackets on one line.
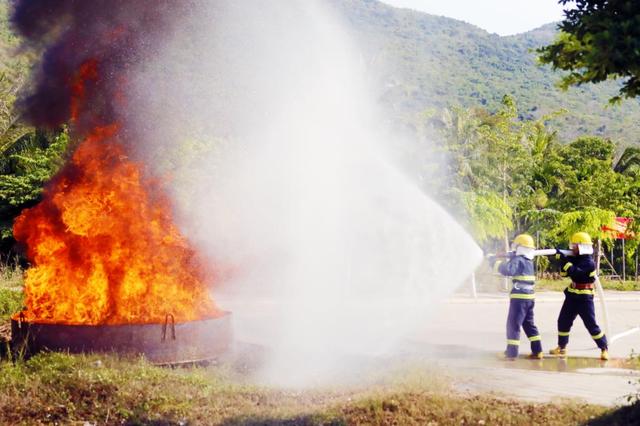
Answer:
[(524, 240), (580, 238)]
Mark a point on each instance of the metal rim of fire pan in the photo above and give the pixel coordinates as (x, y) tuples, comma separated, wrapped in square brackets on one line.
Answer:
[(169, 343)]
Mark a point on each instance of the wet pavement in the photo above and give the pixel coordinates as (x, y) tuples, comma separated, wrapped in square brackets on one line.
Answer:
[(481, 324), (601, 386), (467, 337)]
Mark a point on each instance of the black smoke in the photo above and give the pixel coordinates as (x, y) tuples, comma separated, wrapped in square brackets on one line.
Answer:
[(116, 35)]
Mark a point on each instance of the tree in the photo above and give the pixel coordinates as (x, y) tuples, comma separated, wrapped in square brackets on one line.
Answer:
[(489, 167), (629, 162), (24, 169), (591, 180), (489, 215), (460, 129), (589, 220), (14, 73), (505, 173), (12, 129), (599, 40), (28, 157)]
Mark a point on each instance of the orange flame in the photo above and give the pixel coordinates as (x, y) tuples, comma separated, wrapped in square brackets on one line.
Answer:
[(103, 245), (88, 71)]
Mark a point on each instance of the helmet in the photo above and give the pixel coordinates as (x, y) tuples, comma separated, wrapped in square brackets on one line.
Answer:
[(524, 240), (581, 238)]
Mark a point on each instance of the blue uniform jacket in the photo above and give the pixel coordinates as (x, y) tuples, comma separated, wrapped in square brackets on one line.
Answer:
[(582, 270), (523, 273)]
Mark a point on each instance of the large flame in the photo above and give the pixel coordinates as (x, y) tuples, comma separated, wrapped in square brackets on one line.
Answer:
[(102, 242)]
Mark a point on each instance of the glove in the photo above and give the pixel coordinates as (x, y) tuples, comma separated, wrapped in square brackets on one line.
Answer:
[(559, 255)]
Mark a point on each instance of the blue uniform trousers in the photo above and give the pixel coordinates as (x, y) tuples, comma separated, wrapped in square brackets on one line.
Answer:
[(521, 315), (574, 305)]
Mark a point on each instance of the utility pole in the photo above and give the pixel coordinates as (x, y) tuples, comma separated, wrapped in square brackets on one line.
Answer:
[(624, 263), (474, 290), (505, 280), (598, 255), (613, 249), (536, 258)]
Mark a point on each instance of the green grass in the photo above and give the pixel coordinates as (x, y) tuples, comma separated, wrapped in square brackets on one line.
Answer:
[(560, 285), (59, 388)]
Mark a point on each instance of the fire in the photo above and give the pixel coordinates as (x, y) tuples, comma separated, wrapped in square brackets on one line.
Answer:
[(88, 71), (102, 242)]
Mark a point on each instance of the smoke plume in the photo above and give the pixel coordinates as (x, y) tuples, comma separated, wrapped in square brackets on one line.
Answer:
[(115, 35), (102, 242), (261, 115)]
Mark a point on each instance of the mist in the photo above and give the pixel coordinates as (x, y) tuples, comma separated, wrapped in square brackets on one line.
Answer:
[(261, 117)]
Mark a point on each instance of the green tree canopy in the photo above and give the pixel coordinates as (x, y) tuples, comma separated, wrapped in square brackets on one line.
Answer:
[(24, 170), (599, 40), (506, 175), (488, 214)]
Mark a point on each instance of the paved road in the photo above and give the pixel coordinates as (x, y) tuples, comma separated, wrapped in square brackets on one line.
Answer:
[(468, 334), (480, 323)]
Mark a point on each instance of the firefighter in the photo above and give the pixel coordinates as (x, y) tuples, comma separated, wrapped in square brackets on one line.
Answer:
[(578, 296), (522, 296)]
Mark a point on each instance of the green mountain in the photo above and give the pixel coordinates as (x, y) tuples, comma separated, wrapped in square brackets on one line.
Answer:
[(429, 62), (423, 62)]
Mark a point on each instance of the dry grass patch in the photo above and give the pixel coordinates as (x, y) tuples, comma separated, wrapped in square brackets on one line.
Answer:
[(11, 277), (63, 389)]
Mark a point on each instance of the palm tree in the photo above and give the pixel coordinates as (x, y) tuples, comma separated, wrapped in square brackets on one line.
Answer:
[(12, 129), (629, 161)]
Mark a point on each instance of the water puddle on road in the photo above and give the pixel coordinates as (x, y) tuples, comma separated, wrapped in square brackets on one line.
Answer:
[(461, 357), (623, 367)]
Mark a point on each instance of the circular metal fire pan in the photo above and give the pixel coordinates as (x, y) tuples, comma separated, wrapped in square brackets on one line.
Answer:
[(167, 343)]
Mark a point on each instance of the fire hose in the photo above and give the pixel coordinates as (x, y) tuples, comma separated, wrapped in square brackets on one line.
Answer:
[(540, 252), (598, 285)]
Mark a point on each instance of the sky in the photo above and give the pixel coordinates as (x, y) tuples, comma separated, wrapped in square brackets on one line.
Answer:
[(505, 17)]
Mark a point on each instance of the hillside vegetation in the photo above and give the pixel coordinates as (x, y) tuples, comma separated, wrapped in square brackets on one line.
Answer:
[(426, 62)]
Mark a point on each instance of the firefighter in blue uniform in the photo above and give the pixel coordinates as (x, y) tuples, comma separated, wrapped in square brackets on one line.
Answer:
[(578, 296), (522, 297)]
